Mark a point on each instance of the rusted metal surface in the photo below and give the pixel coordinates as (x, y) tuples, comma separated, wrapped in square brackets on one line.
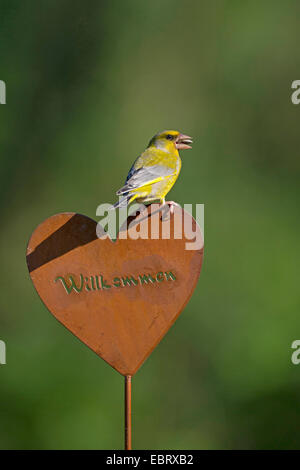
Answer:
[(120, 298), (128, 412)]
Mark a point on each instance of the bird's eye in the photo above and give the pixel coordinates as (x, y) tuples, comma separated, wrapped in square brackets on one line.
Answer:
[(170, 137)]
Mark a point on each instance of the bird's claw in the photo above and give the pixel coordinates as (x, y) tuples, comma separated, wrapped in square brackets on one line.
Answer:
[(168, 209)]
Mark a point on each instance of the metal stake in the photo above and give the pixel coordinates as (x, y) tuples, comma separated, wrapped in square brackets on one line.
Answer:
[(128, 412)]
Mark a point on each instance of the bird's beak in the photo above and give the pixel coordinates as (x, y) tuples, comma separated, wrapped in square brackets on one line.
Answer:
[(183, 142)]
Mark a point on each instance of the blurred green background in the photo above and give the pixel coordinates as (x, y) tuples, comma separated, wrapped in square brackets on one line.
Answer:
[(88, 84)]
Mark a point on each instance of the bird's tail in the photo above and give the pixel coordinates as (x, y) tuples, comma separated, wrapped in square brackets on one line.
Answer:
[(122, 202), (125, 200)]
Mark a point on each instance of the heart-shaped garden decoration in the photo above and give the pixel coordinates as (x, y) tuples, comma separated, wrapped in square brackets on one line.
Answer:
[(120, 298)]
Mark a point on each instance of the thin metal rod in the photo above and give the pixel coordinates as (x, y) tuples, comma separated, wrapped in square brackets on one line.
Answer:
[(127, 412)]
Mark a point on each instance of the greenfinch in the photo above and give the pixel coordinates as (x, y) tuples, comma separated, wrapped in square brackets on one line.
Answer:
[(155, 171)]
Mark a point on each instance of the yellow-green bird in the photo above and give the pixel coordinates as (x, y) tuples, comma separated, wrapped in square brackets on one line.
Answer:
[(155, 171)]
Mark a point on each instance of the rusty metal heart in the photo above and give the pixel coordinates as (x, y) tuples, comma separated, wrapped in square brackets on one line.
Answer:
[(120, 298)]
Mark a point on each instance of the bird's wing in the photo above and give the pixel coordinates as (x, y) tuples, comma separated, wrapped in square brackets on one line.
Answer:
[(144, 176)]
